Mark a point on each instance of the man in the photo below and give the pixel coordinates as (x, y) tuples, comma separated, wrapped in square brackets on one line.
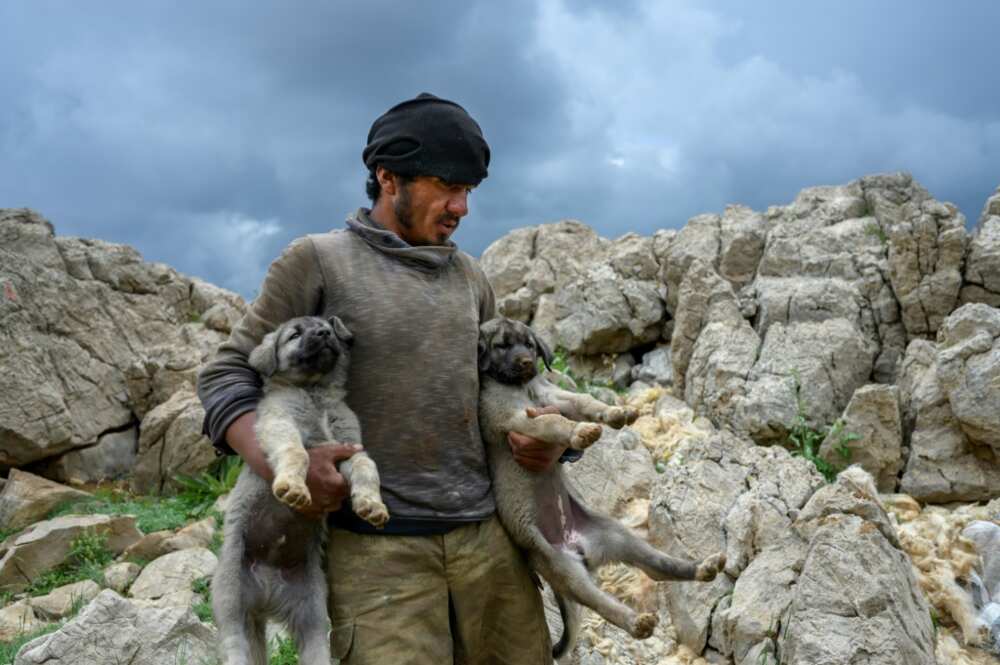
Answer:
[(442, 582)]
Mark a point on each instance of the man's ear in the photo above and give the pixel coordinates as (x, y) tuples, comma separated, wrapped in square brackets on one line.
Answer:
[(544, 351), (264, 358), (341, 331)]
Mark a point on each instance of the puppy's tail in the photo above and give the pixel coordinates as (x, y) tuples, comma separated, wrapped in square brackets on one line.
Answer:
[(570, 613)]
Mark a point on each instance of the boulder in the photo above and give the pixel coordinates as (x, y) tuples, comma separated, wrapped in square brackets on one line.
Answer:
[(969, 371), (119, 576), (156, 544), (18, 619), (45, 545), (603, 312), (27, 498), (615, 473), (171, 443), (112, 629), (656, 367), (697, 241), (982, 263), (871, 431), (62, 601), (167, 581), (943, 464), (111, 458), (77, 314)]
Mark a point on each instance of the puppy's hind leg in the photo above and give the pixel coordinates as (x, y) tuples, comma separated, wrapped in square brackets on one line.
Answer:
[(609, 540), (307, 618), (571, 579)]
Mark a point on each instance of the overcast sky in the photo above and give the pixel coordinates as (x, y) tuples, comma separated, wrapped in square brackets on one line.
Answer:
[(208, 135)]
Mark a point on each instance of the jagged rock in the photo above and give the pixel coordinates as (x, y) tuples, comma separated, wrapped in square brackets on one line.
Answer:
[(18, 619), (926, 247), (873, 416), (171, 443), (741, 244), (656, 367), (632, 256), (167, 580), (158, 543), (111, 458), (119, 576), (699, 499), (60, 602), (76, 314), (943, 465), (614, 473), (697, 241), (969, 371), (45, 545), (112, 629), (604, 312), (27, 498), (857, 596), (982, 263)]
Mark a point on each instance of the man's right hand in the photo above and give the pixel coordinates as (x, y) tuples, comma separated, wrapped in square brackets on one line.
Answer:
[(326, 484)]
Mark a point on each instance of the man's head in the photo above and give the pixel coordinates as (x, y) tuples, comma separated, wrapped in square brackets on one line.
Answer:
[(424, 156)]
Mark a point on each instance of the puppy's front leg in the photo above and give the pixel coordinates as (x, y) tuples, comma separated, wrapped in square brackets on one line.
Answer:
[(282, 445), (366, 497), (554, 428), (581, 406)]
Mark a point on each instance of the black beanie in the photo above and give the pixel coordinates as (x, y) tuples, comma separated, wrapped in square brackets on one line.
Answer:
[(428, 136)]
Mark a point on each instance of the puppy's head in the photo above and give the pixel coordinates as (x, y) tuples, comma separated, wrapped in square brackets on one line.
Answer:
[(509, 351), (302, 350)]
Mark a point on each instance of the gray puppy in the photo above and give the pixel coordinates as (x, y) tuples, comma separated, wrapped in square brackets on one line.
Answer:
[(564, 539), (271, 561)]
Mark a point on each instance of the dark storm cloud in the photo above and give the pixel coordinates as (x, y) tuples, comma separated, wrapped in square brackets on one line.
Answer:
[(208, 137)]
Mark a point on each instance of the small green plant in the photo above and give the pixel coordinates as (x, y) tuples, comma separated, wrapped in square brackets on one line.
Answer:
[(88, 556), (560, 363), (806, 441), (202, 491), (203, 609), (876, 231), (282, 652)]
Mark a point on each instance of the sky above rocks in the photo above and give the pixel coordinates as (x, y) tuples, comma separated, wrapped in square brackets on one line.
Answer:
[(210, 136)]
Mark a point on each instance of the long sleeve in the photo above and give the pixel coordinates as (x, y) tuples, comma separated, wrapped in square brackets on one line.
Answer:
[(228, 387)]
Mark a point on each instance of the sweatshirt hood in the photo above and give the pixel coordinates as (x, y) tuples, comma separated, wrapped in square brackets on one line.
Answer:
[(427, 258)]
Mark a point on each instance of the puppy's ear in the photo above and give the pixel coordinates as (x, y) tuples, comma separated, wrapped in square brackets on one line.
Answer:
[(341, 331), (543, 350), (483, 353), (264, 358)]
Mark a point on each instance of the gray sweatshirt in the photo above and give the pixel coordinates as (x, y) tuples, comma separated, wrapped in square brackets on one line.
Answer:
[(413, 382)]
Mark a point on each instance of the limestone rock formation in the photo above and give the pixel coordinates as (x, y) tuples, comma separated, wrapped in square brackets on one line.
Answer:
[(167, 581), (78, 316), (982, 263), (871, 431), (112, 629), (27, 498)]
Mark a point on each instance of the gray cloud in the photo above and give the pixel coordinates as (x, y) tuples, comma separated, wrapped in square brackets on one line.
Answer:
[(210, 137)]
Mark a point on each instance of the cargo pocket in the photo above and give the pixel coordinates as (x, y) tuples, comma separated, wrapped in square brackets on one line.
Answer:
[(341, 640)]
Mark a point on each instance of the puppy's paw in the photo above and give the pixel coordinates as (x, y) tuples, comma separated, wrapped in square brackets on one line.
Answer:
[(613, 416), (710, 567), (584, 434), (371, 510), (291, 491), (643, 626)]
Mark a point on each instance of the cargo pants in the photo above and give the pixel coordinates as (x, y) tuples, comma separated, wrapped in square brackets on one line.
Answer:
[(465, 598)]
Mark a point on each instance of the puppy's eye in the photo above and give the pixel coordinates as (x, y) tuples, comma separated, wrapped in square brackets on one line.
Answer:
[(294, 335)]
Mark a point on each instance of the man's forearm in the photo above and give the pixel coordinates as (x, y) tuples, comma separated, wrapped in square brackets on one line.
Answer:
[(241, 437)]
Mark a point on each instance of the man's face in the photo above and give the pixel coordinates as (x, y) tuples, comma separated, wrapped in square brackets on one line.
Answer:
[(428, 209)]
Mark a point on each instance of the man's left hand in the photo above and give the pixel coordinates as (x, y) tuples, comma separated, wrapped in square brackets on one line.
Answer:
[(534, 454)]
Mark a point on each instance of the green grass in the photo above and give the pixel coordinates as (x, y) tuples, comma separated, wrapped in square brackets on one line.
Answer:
[(876, 231), (805, 441), (282, 652), (88, 556), (560, 363), (158, 513), (203, 609), (9, 649)]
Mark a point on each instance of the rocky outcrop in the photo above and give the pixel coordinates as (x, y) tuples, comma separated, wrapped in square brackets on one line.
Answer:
[(982, 263), (171, 443), (82, 323), (112, 629), (870, 434), (27, 498)]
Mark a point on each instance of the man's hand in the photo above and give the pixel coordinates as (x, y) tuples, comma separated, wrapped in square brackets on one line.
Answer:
[(327, 487), (531, 453)]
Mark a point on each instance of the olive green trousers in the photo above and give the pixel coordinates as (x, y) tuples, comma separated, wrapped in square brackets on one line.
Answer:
[(465, 597)]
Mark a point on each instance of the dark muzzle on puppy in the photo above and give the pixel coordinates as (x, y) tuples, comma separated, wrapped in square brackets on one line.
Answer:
[(509, 351)]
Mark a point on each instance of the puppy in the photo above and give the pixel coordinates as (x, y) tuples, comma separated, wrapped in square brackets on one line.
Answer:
[(270, 566), (564, 539)]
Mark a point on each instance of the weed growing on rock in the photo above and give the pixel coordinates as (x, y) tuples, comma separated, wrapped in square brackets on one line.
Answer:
[(876, 231), (88, 556), (567, 381), (806, 441), (202, 491), (203, 609), (9, 649)]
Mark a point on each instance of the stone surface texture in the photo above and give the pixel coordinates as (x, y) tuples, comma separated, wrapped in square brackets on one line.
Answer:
[(27, 498)]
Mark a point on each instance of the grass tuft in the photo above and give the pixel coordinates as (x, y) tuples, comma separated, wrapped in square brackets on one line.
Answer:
[(88, 556), (805, 441)]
